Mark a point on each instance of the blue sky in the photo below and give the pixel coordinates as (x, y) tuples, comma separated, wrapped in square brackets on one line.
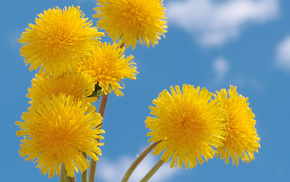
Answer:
[(210, 43)]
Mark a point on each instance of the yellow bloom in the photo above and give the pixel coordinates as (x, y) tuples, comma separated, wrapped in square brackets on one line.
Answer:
[(108, 66), (132, 20), (56, 131), (188, 125), (242, 140), (58, 40), (74, 84)]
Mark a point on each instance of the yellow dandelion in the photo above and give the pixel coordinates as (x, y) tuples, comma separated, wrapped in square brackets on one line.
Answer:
[(108, 66), (56, 131), (187, 124), (132, 20), (242, 140), (70, 83), (58, 40)]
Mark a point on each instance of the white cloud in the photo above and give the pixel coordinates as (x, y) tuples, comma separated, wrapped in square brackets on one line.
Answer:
[(12, 39), (108, 171), (213, 23), (225, 74), (221, 68), (248, 82), (283, 54)]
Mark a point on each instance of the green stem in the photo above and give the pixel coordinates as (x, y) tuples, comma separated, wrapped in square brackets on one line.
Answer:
[(152, 171), (85, 173), (64, 177), (138, 160), (72, 179), (102, 112)]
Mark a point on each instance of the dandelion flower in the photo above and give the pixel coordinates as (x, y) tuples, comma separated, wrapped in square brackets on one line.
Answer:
[(242, 140), (108, 66), (70, 83), (56, 131), (187, 124), (57, 40), (132, 20)]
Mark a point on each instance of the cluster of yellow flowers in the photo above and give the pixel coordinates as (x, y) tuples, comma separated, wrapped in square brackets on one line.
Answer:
[(62, 125), (62, 122), (189, 123)]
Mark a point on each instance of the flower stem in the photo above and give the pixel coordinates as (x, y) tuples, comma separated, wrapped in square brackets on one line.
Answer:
[(152, 171), (85, 173), (72, 179), (138, 160), (64, 177), (102, 112)]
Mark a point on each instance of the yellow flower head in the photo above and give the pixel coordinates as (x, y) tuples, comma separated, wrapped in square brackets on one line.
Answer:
[(58, 40), (242, 140), (56, 131), (187, 124), (74, 84), (132, 20), (108, 66)]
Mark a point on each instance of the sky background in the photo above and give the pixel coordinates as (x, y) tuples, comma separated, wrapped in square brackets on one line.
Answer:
[(210, 43)]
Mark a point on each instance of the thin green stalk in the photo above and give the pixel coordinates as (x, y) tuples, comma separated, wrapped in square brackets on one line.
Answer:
[(85, 173), (63, 174), (72, 179), (152, 171), (64, 177), (102, 112), (138, 160)]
